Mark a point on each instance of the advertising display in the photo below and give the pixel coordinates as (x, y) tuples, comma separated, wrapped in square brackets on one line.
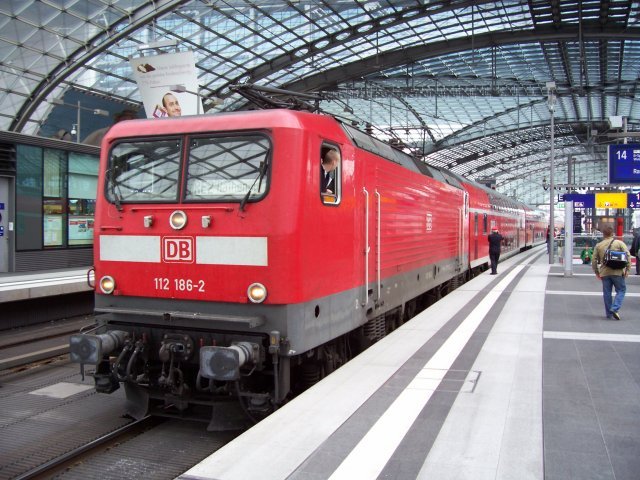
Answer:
[(52, 230), (168, 84), (80, 230)]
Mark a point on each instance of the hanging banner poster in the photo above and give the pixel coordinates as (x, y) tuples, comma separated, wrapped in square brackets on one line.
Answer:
[(168, 84)]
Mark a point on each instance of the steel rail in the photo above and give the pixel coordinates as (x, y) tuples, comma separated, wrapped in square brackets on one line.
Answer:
[(56, 462)]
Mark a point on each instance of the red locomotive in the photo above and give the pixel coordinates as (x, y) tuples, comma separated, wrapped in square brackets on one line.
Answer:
[(224, 271)]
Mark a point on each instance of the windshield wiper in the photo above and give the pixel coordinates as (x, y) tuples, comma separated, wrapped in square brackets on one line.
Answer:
[(117, 195), (263, 170)]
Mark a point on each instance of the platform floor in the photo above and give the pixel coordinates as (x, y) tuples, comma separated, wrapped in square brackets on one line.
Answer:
[(513, 376), (46, 283)]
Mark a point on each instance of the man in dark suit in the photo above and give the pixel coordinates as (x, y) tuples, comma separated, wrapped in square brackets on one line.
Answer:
[(495, 240), (635, 249)]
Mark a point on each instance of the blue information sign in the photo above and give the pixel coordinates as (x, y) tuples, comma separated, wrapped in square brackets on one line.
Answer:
[(580, 200), (624, 163), (588, 200)]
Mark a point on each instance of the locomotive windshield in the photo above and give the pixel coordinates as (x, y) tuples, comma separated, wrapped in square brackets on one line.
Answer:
[(219, 168), (145, 171), (227, 168)]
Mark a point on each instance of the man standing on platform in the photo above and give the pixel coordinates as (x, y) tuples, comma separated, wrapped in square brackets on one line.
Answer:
[(611, 277), (635, 249), (495, 240)]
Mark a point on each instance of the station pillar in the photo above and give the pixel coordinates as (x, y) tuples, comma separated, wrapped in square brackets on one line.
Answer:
[(619, 226)]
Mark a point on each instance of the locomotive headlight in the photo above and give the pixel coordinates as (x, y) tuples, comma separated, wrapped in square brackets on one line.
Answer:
[(178, 219), (257, 292), (107, 284)]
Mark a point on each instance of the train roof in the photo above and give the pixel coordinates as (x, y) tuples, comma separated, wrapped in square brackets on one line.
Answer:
[(496, 198), (384, 150), (249, 119), (272, 118)]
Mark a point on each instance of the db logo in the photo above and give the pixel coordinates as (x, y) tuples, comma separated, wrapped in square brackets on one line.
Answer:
[(177, 249)]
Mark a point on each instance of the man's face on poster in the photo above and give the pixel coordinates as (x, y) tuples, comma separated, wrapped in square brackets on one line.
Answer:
[(170, 103)]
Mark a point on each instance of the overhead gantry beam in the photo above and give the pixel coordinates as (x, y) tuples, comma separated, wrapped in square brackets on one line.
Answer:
[(361, 68)]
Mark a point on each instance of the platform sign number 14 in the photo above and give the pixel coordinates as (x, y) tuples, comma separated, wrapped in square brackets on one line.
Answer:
[(621, 154)]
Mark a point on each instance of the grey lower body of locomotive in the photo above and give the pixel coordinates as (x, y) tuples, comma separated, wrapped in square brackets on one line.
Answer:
[(258, 338)]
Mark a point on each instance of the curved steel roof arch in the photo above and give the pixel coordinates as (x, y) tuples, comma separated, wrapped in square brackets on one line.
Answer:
[(500, 54), (349, 34), (84, 54)]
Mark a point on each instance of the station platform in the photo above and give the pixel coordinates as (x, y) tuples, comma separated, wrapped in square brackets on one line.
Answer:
[(35, 298), (46, 283), (512, 376)]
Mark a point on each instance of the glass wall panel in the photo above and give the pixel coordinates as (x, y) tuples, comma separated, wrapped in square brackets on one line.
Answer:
[(83, 184), (54, 169), (28, 198), (54, 199), (83, 176)]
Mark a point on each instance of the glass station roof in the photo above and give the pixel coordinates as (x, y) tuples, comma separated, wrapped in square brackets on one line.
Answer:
[(463, 84)]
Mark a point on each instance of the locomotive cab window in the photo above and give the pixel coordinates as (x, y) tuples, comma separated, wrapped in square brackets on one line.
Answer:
[(144, 171), (330, 174), (228, 168)]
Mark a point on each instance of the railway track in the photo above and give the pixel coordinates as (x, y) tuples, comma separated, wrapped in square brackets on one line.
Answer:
[(161, 450), (20, 348), (54, 425), (63, 462)]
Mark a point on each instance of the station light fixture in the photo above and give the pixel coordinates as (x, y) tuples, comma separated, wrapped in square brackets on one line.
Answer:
[(75, 129)]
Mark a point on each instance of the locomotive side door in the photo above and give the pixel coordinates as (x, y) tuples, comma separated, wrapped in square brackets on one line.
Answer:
[(464, 227), (371, 240), (371, 192), (475, 236)]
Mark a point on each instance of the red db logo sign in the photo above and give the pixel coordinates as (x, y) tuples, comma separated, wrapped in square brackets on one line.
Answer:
[(177, 249)]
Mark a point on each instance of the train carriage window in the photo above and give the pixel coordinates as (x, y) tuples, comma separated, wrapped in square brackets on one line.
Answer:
[(144, 171), (330, 174), (228, 168), (485, 224)]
